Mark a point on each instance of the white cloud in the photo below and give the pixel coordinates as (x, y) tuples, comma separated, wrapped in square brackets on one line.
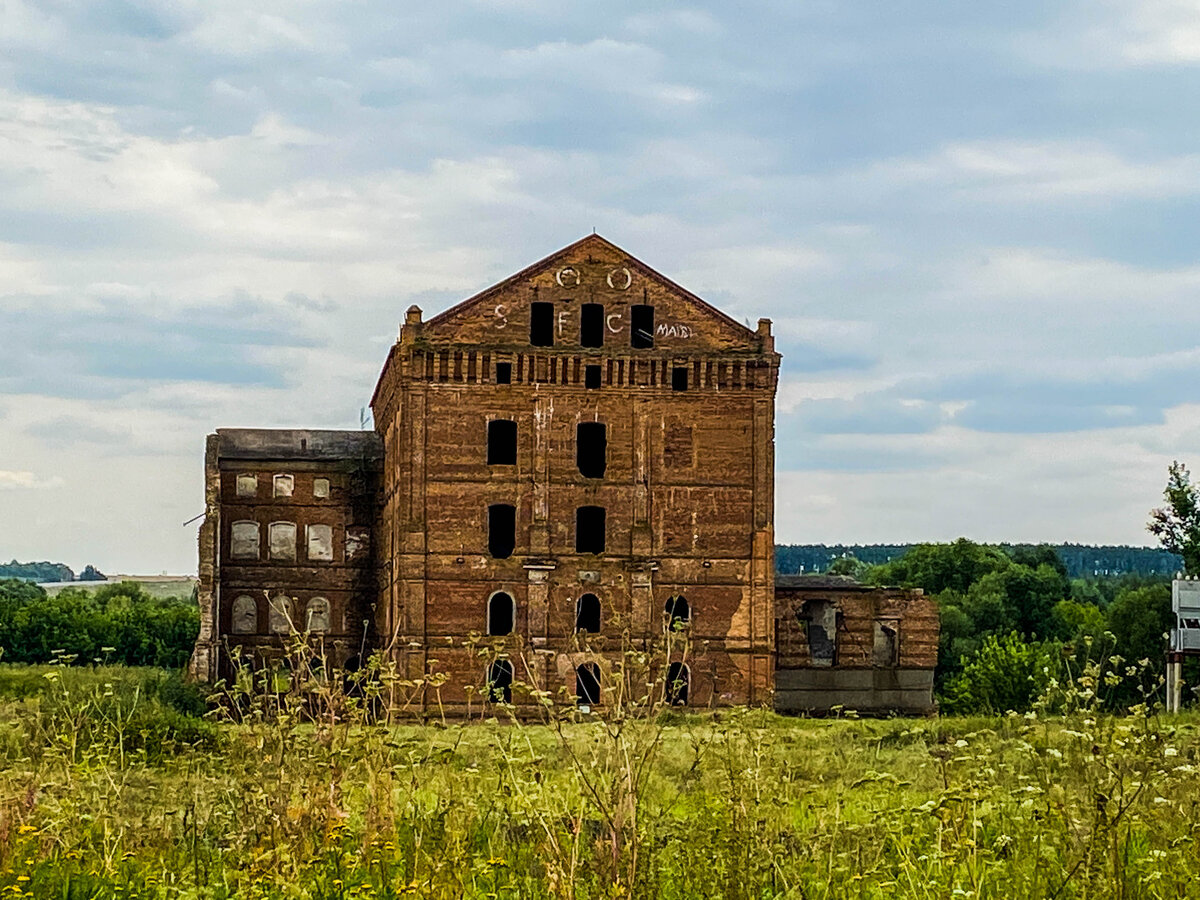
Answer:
[(27, 480)]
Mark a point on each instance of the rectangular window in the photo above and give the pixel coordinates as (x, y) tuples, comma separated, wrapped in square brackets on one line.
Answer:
[(641, 327), (320, 542), (591, 377), (244, 540), (886, 649), (247, 485), (502, 530), (589, 529), (541, 324), (284, 485), (591, 449), (503, 373), (283, 541), (502, 442), (591, 325), (679, 378), (321, 488)]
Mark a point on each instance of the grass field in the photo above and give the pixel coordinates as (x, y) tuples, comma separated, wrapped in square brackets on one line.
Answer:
[(110, 787)]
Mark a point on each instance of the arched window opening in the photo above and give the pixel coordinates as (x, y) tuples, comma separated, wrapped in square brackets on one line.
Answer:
[(587, 684), (281, 614), (499, 681), (317, 614), (677, 684), (591, 325), (679, 614), (502, 530), (284, 485), (283, 541), (500, 614), (591, 449), (589, 529), (243, 540), (587, 614), (502, 442), (244, 616)]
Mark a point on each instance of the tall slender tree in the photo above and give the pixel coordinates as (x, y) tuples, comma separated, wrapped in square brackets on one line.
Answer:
[(1177, 524)]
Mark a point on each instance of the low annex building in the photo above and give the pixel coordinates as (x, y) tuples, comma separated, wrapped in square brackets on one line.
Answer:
[(577, 460)]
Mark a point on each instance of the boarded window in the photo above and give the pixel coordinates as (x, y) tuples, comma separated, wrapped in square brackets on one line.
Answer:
[(320, 542), (589, 529), (247, 485), (541, 324), (587, 684), (641, 327), (677, 684), (503, 373), (591, 449), (317, 614), (591, 377), (587, 614), (502, 530), (499, 681), (243, 542), (284, 485), (502, 442), (244, 616), (678, 452), (283, 541), (679, 378), (591, 325), (320, 488), (500, 614), (886, 649), (677, 611), (281, 614), (820, 620)]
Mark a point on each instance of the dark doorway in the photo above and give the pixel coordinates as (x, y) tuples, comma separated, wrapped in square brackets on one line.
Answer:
[(587, 614), (591, 325), (503, 373), (591, 377), (500, 614), (589, 529), (499, 681), (678, 612), (591, 449), (641, 327), (677, 684), (502, 530), (541, 324), (587, 684), (679, 378), (502, 442)]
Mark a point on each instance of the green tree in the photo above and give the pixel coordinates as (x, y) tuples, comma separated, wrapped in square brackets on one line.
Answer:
[(939, 567), (1177, 525), (1138, 618)]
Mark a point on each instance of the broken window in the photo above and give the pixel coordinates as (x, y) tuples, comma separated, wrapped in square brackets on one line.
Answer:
[(591, 377), (247, 485), (677, 447), (244, 616), (641, 327), (320, 488), (820, 620), (500, 613), (886, 649), (499, 681), (502, 530), (316, 614), (357, 539), (678, 613), (677, 684), (502, 442), (587, 684), (587, 614), (589, 529), (284, 485), (541, 324), (283, 541), (503, 373), (243, 542), (679, 378), (591, 449), (281, 614), (591, 325), (320, 542)]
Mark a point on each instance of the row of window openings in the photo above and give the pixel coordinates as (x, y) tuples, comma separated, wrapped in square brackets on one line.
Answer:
[(244, 542), (591, 325), (587, 683), (502, 613), (244, 616), (590, 528), (591, 446), (593, 376), (282, 486)]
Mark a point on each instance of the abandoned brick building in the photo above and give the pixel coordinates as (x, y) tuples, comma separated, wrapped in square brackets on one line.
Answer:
[(577, 459)]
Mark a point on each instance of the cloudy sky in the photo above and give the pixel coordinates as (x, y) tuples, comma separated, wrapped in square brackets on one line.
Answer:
[(974, 225)]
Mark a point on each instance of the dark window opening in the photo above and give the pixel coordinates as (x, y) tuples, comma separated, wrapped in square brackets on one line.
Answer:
[(502, 530), (587, 684), (591, 449), (677, 684), (591, 325), (541, 324), (591, 377), (679, 378), (885, 651), (500, 613), (641, 327), (499, 681), (678, 612), (820, 620), (589, 529), (503, 373), (587, 614), (502, 442)]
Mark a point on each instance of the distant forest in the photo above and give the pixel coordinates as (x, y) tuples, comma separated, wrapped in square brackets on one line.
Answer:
[(41, 572), (1081, 560)]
